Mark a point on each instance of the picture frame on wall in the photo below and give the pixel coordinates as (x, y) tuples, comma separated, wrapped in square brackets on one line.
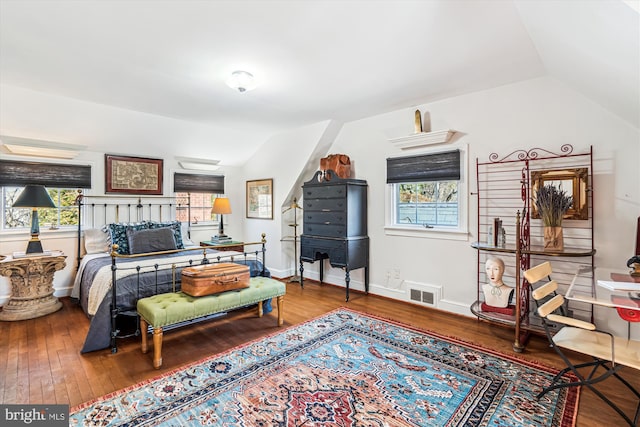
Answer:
[(133, 175), (260, 199)]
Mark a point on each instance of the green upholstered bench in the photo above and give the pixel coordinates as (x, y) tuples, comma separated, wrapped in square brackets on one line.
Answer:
[(173, 308)]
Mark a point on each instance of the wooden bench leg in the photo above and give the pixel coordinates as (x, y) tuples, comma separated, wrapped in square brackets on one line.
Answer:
[(280, 308), (260, 312), (144, 326), (157, 347)]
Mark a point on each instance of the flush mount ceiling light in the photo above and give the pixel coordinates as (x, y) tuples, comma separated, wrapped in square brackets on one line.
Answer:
[(242, 81)]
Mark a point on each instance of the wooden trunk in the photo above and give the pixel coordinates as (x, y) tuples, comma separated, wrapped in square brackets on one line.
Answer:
[(211, 279)]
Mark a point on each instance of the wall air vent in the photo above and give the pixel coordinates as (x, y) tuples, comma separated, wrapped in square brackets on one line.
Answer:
[(424, 294)]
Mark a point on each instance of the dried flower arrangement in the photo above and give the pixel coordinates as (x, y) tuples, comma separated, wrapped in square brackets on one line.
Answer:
[(552, 203)]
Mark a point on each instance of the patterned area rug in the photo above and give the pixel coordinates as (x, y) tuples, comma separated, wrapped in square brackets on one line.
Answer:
[(343, 369)]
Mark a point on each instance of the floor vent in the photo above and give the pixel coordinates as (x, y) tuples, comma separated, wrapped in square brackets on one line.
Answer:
[(422, 296)]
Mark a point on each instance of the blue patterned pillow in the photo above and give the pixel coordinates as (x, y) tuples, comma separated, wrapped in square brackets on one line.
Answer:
[(175, 226), (118, 232)]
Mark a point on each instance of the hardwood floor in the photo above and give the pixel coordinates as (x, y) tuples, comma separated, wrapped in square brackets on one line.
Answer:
[(40, 360)]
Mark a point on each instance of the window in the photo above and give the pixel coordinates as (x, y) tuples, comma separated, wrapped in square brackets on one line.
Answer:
[(200, 209), (425, 194), (66, 213), (62, 181), (201, 190), (429, 203)]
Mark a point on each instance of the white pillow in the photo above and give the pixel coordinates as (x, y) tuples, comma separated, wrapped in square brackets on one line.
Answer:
[(96, 241)]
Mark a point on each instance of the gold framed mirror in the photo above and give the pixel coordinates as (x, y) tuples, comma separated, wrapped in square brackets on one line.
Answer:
[(573, 181)]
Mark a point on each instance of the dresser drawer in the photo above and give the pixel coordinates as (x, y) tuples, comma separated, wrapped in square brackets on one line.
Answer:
[(324, 230), (324, 192), (325, 204), (312, 248), (322, 217)]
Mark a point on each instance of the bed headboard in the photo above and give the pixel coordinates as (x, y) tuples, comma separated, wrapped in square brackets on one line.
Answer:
[(98, 211)]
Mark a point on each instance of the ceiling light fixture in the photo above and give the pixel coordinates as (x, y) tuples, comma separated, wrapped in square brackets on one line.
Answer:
[(242, 81)]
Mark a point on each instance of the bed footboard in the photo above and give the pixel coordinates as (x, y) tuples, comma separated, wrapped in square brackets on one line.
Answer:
[(145, 275)]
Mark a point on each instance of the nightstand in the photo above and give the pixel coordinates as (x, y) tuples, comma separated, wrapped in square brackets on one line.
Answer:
[(31, 285), (228, 246)]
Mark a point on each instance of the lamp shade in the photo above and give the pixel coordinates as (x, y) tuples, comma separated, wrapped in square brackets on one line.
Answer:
[(221, 205), (34, 196)]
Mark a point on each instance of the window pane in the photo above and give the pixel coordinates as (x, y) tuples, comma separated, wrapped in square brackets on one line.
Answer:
[(433, 203), (14, 217), (426, 191), (201, 204), (447, 191)]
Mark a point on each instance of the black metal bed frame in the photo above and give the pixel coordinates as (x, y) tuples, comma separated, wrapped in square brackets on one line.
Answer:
[(135, 211)]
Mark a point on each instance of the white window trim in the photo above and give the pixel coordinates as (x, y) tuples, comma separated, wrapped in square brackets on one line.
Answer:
[(437, 232)]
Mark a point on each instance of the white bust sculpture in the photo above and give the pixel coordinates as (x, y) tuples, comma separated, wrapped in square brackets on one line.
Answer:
[(496, 293)]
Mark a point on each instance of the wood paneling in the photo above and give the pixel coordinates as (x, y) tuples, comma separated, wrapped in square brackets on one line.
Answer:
[(40, 360)]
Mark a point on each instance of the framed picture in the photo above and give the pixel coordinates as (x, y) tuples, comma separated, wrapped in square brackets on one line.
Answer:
[(133, 175), (260, 199)]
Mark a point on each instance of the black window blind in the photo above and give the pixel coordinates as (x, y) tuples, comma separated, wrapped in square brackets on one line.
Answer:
[(56, 175), (196, 183), (443, 166)]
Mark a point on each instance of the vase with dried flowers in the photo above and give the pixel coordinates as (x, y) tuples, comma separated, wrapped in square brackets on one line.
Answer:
[(552, 203)]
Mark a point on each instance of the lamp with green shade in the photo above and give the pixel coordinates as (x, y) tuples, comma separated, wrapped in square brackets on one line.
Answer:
[(34, 197)]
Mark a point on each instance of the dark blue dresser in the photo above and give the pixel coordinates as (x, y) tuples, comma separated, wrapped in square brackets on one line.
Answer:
[(335, 225)]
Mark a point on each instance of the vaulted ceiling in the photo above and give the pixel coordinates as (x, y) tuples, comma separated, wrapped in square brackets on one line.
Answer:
[(315, 60)]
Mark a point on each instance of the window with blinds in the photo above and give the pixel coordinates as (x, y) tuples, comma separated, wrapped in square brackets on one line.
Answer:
[(62, 182), (200, 191), (426, 190)]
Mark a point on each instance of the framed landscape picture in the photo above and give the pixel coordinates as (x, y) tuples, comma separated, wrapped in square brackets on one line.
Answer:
[(260, 199), (133, 175)]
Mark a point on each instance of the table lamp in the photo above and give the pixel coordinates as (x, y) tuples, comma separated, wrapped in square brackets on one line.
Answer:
[(34, 197), (221, 206)]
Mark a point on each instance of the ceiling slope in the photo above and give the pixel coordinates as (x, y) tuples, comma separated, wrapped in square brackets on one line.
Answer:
[(593, 48), (315, 60)]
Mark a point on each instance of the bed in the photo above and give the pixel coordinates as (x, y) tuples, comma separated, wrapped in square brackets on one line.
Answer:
[(120, 262)]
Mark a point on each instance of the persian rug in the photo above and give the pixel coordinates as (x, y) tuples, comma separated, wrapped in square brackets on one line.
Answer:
[(343, 369)]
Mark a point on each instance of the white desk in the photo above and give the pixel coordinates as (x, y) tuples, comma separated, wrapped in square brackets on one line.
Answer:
[(624, 298)]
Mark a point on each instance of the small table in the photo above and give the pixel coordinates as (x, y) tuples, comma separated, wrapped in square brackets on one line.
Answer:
[(623, 295), (227, 246), (31, 285), (626, 295)]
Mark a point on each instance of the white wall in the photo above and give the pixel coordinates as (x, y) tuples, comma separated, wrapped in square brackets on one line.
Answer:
[(28, 114), (288, 159), (536, 113)]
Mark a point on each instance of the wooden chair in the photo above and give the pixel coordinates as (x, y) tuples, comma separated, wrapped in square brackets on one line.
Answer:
[(610, 354)]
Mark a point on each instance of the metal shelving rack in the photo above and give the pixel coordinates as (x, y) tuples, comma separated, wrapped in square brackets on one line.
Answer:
[(504, 190)]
